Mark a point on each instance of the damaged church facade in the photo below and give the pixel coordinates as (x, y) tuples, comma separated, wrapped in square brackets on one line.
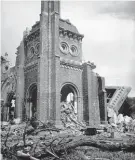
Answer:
[(48, 69)]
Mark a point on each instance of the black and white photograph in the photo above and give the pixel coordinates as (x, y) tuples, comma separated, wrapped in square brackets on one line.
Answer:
[(67, 80)]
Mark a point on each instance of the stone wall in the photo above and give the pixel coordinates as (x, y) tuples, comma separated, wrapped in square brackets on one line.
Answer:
[(30, 77), (85, 94)]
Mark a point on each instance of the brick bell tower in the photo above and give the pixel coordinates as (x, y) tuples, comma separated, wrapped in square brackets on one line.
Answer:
[(49, 63), (49, 68)]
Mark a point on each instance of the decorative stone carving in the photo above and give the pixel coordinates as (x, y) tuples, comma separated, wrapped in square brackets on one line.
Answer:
[(79, 38), (71, 67), (32, 35), (69, 34), (32, 49), (31, 66), (37, 48), (64, 47), (30, 52), (65, 32), (93, 66), (74, 50), (73, 64)]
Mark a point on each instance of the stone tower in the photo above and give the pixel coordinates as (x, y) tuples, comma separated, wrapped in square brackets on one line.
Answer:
[(48, 73), (50, 69)]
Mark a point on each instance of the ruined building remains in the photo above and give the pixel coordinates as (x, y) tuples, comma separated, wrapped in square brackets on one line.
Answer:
[(49, 70)]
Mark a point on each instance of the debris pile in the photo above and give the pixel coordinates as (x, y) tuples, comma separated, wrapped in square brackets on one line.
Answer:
[(18, 143), (120, 123), (42, 140), (69, 117)]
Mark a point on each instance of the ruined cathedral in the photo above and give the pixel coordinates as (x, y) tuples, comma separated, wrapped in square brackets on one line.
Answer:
[(48, 70)]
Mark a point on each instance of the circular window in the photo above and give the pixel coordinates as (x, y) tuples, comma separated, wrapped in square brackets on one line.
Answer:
[(73, 50), (37, 49), (31, 52), (64, 47)]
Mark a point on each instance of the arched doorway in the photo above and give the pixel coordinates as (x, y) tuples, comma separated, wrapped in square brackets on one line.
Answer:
[(32, 101), (69, 94)]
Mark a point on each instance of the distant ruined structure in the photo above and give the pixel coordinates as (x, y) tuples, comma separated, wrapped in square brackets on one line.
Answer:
[(116, 96), (49, 70)]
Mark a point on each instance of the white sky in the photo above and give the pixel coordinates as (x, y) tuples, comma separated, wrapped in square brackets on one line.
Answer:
[(108, 28)]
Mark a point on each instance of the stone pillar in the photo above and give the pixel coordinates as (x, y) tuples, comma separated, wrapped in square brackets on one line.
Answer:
[(54, 63), (95, 100), (85, 94), (57, 93), (102, 100), (48, 86), (42, 86), (105, 108), (105, 100), (90, 96), (20, 83)]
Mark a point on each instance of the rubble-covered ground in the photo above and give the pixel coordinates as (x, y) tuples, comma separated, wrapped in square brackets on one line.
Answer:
[(35, 140), (51, 143)]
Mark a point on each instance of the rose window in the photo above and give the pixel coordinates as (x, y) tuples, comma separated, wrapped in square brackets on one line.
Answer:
[(64, 47), (73, 50)]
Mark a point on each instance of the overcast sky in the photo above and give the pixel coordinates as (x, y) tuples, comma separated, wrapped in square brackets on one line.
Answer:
[(108, 28)]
